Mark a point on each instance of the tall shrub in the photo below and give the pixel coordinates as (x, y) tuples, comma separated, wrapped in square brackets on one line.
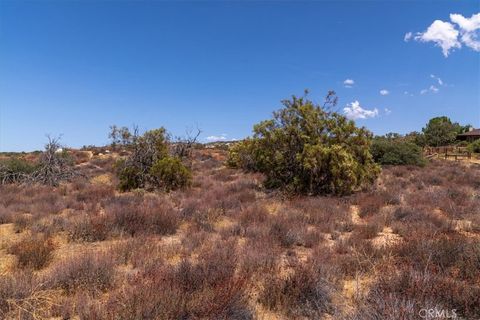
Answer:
[(151, 166), (306, 148), (396, 152)]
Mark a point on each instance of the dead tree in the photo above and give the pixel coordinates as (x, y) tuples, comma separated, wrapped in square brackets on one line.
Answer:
[(54, 166), (330, 102), (182, 146)]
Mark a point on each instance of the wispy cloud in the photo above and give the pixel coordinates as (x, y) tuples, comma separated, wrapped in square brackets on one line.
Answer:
[(408, 36), (440, 82), (221, 137), (348, 83), (431, 89), (387, 111), (355, 111), (384, 92), (451, 35)]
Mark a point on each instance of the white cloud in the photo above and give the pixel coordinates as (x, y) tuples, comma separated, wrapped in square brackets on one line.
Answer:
[(221, 137), (466, 24), (387, 111), (408, 36), (355, 111), (468, 29), (440, 82), (408, 93), (384, 92), (443, 34), (348, 83), (450, 36), (431, 89)]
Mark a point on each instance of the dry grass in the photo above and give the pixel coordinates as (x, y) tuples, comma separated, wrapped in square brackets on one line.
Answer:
[(32, 251), (227, 249)]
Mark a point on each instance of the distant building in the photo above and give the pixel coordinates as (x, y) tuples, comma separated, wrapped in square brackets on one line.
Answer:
[(472, 135)]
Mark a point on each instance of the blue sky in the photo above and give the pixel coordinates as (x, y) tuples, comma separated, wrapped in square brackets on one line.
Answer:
[(74, 68)]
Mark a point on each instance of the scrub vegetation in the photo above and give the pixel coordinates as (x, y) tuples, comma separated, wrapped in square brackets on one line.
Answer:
[(296, 222)]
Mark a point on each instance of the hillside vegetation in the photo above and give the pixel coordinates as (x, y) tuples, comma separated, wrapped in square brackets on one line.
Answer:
[(310, 218), (227, 248)]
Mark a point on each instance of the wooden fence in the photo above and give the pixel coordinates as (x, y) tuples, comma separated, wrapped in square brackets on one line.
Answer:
[(446, 152)]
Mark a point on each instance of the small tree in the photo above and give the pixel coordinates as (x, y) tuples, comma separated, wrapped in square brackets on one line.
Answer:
[(150, 164), (440, 131), (121, 135), (183, 146), (114, 135), (306, 148), (125, 136)]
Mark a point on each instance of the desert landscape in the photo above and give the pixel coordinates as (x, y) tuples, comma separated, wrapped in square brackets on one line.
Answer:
[(239, 160), (226, 247)]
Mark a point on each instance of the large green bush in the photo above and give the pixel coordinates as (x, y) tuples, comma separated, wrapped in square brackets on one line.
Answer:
[(307, 149), (396, 152)]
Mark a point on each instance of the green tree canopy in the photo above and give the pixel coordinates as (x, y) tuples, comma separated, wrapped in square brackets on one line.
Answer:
[(441, 131)]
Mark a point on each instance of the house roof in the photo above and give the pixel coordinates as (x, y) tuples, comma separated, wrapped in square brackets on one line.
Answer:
[(474, 133)]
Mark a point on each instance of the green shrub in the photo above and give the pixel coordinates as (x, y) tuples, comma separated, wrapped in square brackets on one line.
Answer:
[(242, 155), (170, 173), (474, 146), (129, 177), (307, 149), (13, 169), (396, 152), (18, 165), (151, 166)]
